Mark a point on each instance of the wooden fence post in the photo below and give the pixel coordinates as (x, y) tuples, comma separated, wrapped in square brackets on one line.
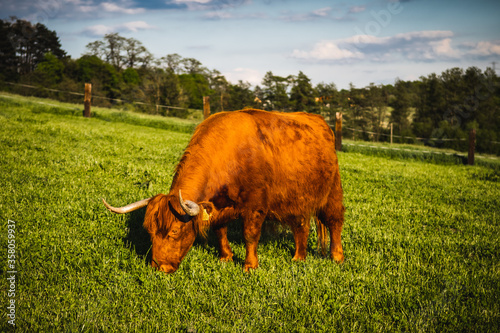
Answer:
[(206, 107), (472, 146), (87, 100), (338, 131)]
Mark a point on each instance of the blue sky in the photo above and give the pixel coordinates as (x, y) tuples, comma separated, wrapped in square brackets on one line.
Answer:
[(330, 41)]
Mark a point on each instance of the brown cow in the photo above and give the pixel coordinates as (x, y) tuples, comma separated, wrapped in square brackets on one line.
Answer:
[(253, 165)]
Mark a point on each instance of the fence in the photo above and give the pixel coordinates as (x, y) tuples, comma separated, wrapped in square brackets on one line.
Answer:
[(423, 155), (91, 97), (471, 139), (206, 113), (404, 137)]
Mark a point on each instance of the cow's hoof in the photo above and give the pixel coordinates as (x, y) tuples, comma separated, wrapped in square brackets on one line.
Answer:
[(248, 268), (227, 258), (338, 257)]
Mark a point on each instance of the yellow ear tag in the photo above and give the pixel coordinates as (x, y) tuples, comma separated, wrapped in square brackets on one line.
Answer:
[(206, 217)]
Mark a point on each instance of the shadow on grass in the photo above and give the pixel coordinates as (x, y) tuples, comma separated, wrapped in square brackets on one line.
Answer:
[(280, 236), (138, 238), (272, 232)]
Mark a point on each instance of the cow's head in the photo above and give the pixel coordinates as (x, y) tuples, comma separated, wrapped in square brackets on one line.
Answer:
[(173, 225)]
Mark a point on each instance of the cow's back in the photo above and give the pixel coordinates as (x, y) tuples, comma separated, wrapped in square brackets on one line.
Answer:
[(283, 163)]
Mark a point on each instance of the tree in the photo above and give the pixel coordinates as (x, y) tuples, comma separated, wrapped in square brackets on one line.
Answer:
[(120, 51), (135, 52), (195, 86), (8, 56), (103, 76), (241, 96), (193, 66), (454, 95), (376, 108), (302, 94), (47, 42), (96, 49), (484, 106), (401, 108), (354, 104), (172, 91), (113, 50), (275, 92), (219, 85), (162, 87), (259, 97), (429, 107), (114, 44), (173, 62), (152, 87), (24, 45), (50, 71), (328, 99), (131, 77), (327, 92)]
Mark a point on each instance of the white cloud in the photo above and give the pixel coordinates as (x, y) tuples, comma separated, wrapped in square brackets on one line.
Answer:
[(357, 9), (86, 9), (114, 8), (91, 7), (322, 13), (135, 26), (190, 1), (218, 15), (415, 46), (225, 15), (444, 48), (101, 29), (98, 30), (483, 48), (209, 4), (327, 50)]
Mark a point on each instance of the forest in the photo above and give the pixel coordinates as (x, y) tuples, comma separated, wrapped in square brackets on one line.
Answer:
[(437, 110)]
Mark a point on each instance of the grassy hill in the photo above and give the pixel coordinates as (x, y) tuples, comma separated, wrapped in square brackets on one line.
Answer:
[(421, 240)]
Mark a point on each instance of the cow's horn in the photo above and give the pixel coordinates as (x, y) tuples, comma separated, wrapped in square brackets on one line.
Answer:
[(191, 208), (128, 208)]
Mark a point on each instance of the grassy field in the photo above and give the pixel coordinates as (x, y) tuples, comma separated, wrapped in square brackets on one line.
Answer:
[(418, 152), (421, 240)]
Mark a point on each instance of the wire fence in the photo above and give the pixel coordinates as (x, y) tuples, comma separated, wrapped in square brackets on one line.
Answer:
[(101, 97), (404, 137), (416, 151), (182, 108), (457, 144)]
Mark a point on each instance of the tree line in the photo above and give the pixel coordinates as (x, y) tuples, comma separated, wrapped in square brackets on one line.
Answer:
[(436, 109)]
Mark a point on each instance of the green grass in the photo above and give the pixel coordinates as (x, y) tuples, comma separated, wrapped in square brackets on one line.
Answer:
[(106, 114), (421, 241), (418, 152)]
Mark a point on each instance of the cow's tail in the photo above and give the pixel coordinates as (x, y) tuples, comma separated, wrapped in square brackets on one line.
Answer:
[(323, 237)]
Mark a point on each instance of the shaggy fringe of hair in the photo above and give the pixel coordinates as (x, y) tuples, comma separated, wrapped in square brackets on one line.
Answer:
[(202, 227)]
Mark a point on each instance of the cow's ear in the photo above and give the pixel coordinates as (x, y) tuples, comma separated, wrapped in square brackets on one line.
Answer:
[(208, 207), (205, 218)]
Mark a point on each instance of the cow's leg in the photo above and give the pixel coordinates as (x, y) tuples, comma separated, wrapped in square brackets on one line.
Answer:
[(300, 228), (332, 215), (224, 248), (252, 226)]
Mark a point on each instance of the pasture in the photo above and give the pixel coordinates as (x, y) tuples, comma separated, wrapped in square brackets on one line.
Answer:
[(421, 240)]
